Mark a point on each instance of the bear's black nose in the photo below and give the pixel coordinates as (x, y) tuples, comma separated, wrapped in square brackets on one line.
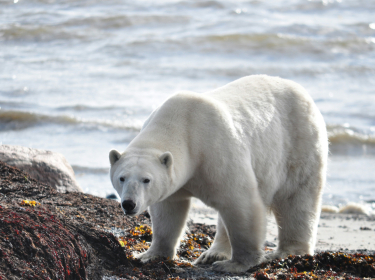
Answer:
[(128, 205)]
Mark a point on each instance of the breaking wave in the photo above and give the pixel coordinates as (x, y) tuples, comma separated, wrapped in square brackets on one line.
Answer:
[(338, 134), (16, 32), (67, 29), (17, 120), (93, 170), (272, 41)]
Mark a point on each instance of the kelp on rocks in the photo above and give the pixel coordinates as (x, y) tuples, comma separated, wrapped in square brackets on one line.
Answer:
[(49, 235)]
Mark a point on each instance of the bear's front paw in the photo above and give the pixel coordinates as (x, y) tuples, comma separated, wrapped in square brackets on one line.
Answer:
[(230, 266), (211, 256), (277, 255), (146, 256)]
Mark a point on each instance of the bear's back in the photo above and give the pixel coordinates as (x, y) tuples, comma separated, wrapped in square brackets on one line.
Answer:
[(279, 123), (259, 102)]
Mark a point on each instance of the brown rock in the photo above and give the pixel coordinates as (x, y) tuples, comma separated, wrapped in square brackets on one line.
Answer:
[(45, 166), (49, 241)]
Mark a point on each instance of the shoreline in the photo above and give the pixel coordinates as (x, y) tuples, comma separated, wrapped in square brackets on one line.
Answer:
[(336, 231)]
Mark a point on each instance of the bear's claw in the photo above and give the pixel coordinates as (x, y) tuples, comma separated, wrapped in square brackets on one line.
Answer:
[(209, 257), (282, 254), (145, 256), (275, 255)]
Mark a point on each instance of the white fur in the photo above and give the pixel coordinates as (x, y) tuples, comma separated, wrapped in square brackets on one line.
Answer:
[(257, 143)]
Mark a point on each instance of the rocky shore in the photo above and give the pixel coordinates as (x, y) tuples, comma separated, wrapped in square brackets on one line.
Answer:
[(45, 234)]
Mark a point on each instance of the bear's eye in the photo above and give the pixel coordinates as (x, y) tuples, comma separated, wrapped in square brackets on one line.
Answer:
[(146, 181), (122, 179)]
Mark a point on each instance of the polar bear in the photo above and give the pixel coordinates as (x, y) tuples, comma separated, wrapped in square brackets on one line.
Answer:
[(253, 145)]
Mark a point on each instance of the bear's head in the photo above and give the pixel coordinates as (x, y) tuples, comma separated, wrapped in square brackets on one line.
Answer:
[(141, 178)]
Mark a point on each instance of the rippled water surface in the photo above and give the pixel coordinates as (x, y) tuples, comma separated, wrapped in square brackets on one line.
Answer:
[(80, 77)]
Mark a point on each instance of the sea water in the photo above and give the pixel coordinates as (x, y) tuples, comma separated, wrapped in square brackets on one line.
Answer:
[(80, 77)]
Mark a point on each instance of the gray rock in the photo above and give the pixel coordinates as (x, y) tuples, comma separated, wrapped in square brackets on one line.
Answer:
[(269, 244), (45, 166)]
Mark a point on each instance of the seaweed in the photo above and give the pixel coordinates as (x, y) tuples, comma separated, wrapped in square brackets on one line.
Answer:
[(324, 265), (49, 235), (36, 244)]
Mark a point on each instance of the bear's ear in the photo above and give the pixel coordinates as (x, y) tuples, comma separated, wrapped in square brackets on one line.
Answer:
[(114, 156), (166, 159)]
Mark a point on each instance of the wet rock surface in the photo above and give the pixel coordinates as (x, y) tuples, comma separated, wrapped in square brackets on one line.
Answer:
[(45, 234)]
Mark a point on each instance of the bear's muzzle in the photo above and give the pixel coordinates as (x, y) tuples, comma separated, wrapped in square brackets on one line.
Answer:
[(128, 206)]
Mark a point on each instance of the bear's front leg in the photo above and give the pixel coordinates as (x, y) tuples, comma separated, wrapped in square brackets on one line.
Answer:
[(246, 226), (168, 221)]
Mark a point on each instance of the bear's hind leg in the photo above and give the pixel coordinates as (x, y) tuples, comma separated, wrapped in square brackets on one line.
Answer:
[(297, 216), (220, 249), (168, 221)]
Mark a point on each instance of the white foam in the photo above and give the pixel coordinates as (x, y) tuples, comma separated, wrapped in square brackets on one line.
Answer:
[(329, 209), (354, 208)]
